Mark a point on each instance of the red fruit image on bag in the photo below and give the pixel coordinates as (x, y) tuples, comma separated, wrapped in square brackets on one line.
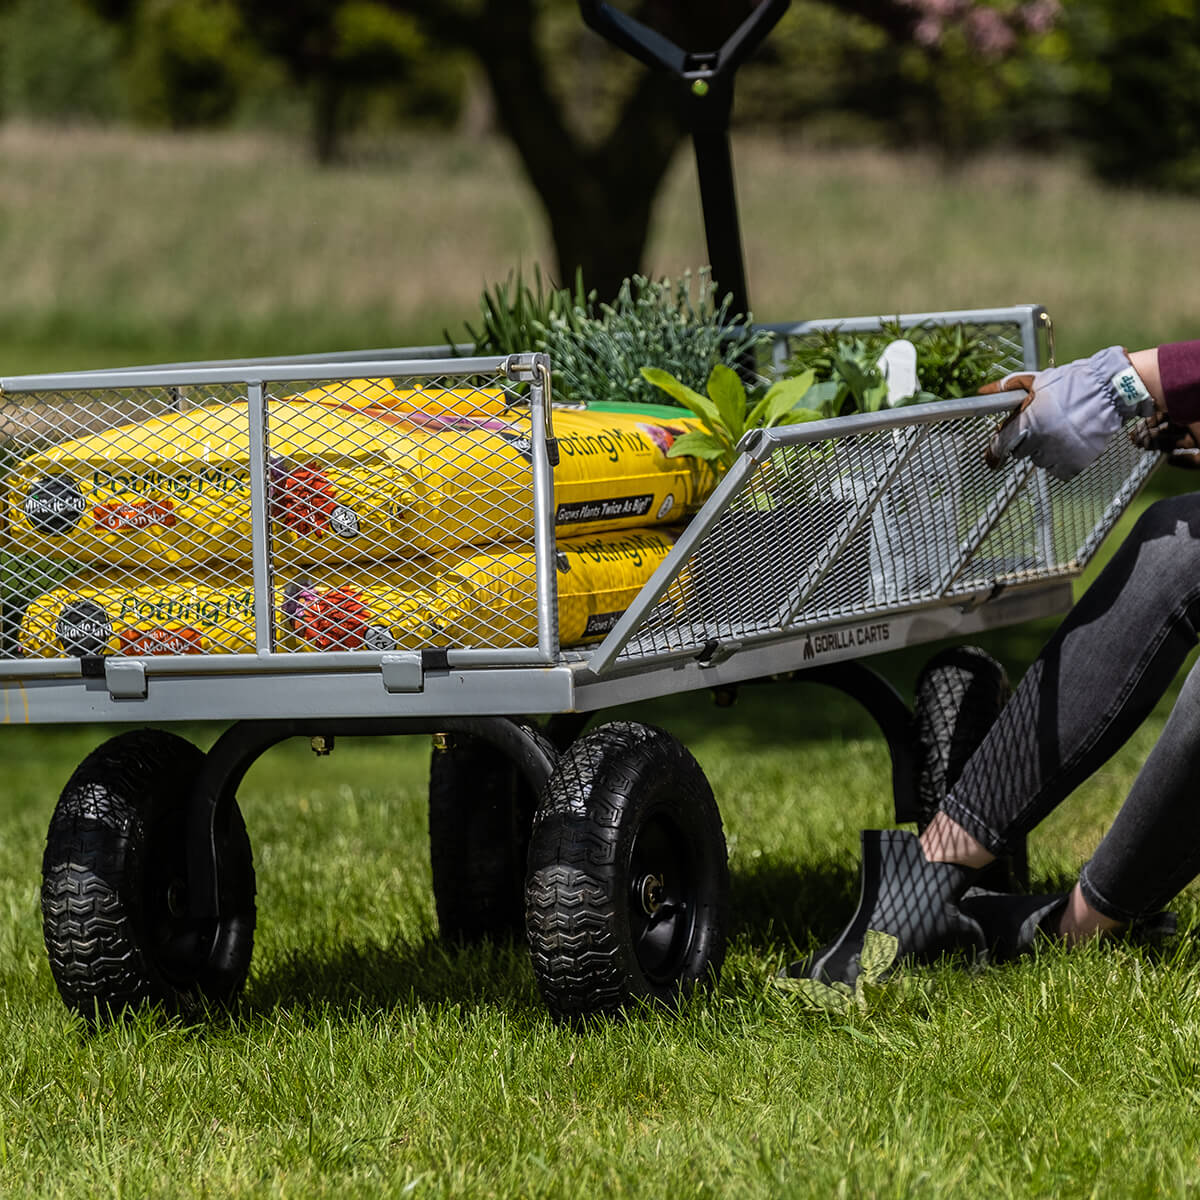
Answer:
[(336, 620)]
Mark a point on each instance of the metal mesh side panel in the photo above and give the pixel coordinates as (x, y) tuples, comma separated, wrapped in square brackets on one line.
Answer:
[(1005, 338), (99, 505), (879, 522), (402, 525), (399, 515)]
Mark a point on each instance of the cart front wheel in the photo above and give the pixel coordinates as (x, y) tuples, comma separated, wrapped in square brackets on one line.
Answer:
[(628, 885), (114, 886)]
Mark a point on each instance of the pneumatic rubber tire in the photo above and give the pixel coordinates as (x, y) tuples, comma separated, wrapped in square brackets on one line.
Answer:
[(959, 695), (628, 891), (480, 817), (114, 880)]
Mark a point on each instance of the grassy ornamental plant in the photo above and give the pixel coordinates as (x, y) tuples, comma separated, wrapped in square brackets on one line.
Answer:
[(597, 356), (597, 349), (515, 315)]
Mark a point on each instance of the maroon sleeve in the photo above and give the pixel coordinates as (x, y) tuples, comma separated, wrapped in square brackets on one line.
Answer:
[(1179, 367)]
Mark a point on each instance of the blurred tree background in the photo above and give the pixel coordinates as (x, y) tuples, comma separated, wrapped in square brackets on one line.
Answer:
[(595, 132)]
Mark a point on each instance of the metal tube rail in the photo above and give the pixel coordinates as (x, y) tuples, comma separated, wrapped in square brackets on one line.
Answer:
[(285, 372)]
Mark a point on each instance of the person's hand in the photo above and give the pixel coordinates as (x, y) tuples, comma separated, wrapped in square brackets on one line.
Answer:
[(1069, 412), (1162, 435)]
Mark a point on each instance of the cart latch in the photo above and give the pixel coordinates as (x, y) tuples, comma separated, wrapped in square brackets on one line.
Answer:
[(126, 678), (403, 672)]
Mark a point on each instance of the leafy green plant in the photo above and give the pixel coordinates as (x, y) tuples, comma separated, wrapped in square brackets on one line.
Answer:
[(726, 412), (848, 377), (878, 954), (952, 361), (598, 355)]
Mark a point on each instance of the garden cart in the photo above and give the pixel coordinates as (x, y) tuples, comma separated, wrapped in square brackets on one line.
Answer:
[(387, 543)]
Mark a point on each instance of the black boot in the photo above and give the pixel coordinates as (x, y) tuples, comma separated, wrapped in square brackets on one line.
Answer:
[(903, 894), (1012, 924)]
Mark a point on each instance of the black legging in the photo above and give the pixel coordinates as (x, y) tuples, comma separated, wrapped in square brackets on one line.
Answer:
[(1097, 679)]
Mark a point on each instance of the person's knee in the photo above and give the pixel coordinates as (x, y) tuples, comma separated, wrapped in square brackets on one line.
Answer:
[(1159, 563), (1175, 517)]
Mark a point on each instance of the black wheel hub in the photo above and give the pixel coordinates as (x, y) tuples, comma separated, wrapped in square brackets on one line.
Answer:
[(651, 892), (178, 942), (663, 901)]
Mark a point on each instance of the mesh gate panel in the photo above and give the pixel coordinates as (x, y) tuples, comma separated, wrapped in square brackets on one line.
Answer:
[(410, 528), (398, 514), (882, 521), (98, 509)]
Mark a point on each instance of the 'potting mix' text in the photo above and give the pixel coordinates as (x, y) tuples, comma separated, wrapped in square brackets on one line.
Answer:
[(181, 486), (239, 604)]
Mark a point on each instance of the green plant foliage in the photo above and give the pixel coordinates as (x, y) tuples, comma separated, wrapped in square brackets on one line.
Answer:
[(188, 63), (726, 411), (845, 368), (365, 30), (598, 353), (1138, 102), (875, 961), (952, 361), (58, 61)]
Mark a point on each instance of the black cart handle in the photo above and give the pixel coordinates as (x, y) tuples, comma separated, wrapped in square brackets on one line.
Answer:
[(654, 50)]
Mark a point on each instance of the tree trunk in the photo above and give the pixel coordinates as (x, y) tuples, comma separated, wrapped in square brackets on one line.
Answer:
[(599, 228), (327, 119), (598, 198)]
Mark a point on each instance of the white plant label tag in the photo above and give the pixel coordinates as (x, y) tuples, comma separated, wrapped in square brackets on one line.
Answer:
[(898, 364)]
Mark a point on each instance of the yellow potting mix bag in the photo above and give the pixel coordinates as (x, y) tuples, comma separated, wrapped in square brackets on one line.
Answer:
[(206, 612), (485, 600), (357, 472), (492, 594)]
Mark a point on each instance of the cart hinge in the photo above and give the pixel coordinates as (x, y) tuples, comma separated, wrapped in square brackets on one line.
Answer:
[(523, 368), (714, 652), (126, 679)]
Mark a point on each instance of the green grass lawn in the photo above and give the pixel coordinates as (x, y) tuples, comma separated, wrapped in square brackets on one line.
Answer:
[(369, 1059)]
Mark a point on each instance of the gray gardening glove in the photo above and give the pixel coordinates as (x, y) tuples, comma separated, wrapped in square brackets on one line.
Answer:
[(1070, 412)]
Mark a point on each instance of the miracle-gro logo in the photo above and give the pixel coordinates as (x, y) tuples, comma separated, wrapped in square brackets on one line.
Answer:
[(54, 504), (83, 628)]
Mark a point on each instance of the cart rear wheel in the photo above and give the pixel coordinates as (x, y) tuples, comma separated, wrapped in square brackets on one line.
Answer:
[(114, 881), (628, 884), (480, 815), (960, 693)]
